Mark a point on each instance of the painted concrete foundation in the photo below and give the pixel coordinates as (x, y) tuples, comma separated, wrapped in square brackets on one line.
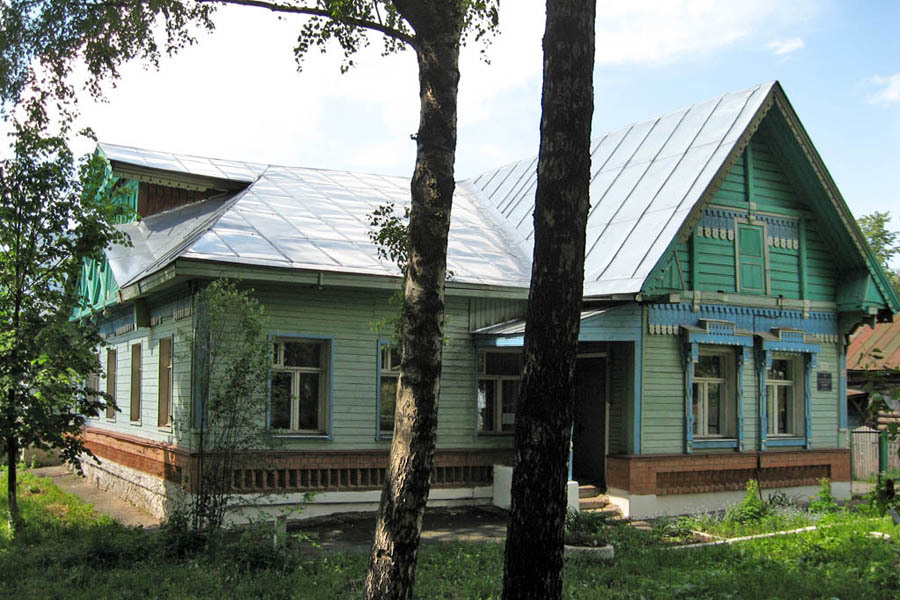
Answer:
[(648, 506), (502, 489)]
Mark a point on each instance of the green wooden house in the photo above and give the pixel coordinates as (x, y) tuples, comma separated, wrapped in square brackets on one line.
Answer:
[(723, 276)]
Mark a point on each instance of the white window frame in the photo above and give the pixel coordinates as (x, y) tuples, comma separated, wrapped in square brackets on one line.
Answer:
[(798, 399), (727, 395), (296, 373), (500, 418)]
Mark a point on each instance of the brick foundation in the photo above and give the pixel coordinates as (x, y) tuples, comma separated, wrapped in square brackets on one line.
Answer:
[(293, 471), (702, 473)]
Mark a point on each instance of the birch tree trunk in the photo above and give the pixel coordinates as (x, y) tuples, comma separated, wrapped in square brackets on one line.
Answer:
[(392, 562), (546, 401)]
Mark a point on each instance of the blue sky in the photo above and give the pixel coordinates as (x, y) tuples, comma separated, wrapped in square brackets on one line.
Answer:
[(237, 94)]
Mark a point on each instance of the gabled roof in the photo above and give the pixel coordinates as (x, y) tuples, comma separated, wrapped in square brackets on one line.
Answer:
[(650, 183), (646, 179)]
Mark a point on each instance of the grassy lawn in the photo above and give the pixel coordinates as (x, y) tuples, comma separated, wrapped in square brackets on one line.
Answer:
[(68, 552)]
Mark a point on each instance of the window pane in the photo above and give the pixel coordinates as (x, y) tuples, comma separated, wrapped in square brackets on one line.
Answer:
[(309, 400), (302, 354), (388, 403), (281, 401), (510, 397), (708, 366), (785, 409), (504, 363), (390, 359), (712, 408), (781, 370), (486, 405)]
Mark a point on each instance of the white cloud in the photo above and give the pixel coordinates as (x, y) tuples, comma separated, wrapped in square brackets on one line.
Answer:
[(783, 47), (665, 31), (889, 92)]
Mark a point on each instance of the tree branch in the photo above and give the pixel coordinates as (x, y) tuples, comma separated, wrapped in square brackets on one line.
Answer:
[(324, 13)]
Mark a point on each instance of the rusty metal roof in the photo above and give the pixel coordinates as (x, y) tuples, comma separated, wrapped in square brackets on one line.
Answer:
[(885, 337)]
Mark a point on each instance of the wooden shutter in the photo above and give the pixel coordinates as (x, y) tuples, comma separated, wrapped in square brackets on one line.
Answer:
[(136, 382), (751, 259), (111, 383), (164, 416)]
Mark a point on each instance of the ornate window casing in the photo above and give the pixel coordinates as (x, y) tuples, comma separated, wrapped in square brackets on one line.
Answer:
[(785, 369), (300, 386), (715, 353), (499, 376)]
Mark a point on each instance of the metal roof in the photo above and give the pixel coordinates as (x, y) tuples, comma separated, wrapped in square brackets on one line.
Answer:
[(312, 219), (885, 337), (517, 326), (645, 180), (183, 163)]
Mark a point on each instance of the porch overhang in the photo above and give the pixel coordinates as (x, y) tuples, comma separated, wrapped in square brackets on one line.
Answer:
[(511, 334)]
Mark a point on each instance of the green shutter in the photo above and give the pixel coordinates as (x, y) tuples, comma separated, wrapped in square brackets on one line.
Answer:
[(751, 259)]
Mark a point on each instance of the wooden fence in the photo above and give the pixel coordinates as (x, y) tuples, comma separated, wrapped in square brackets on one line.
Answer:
[(864, 452)]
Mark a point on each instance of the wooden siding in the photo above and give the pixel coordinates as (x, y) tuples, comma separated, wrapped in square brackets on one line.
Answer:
[(149, 338), (491, 311), (773, 195), (826, 405), (662, 402)]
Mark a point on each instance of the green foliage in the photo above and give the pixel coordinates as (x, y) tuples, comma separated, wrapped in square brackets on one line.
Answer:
[(233, 361), (390, 234), (54, 217), (751, 508), (824, 501), (885, 244), (64, 557), (586, 529)]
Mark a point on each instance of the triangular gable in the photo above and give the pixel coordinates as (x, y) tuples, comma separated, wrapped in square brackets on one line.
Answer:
[(865, 286)]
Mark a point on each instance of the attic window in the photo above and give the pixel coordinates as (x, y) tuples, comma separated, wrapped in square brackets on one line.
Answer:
[(751, 259)]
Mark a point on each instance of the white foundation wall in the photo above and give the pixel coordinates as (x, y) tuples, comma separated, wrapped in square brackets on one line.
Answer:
[(150, 493), (650, 506)]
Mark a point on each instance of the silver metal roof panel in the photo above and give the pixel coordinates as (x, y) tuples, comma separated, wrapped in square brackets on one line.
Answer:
[(645, 181)]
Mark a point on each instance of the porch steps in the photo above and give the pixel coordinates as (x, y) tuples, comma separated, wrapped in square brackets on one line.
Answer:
[(590, 499)]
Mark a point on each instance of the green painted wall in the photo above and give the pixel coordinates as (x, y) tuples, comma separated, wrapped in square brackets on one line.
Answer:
[(621, 395), (662, 399), (349, 317)]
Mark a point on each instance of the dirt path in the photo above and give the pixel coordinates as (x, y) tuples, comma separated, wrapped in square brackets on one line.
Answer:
[(104, 502)]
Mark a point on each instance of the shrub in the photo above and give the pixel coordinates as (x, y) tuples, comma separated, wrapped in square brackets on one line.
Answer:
[(751, 508), (824, 501)]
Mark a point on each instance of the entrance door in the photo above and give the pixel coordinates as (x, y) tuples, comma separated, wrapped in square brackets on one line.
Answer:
[(589, 439)]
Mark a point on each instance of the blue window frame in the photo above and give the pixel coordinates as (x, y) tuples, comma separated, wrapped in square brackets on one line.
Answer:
[(301, 385)]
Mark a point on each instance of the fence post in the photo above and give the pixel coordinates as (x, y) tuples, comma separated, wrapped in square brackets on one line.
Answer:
[(882, 454)]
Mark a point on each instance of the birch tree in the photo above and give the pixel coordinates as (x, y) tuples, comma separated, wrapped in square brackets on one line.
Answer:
[(547, 397)]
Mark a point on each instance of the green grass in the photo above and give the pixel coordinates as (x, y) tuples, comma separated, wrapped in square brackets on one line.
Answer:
[(70, 553)]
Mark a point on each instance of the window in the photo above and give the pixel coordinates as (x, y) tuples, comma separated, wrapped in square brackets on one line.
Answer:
[(713, 402), (136, 382), (111, 383), (387, 389), (751, 253), (784, 397), (499, 374), (92, 384), (166, 380), (300, 385)]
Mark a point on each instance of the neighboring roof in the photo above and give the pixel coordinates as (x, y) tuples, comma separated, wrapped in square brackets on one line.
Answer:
[(645, 181), (885, 337)]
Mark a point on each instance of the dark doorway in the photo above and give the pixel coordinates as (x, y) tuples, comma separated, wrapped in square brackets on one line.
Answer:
[(589, 433)]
